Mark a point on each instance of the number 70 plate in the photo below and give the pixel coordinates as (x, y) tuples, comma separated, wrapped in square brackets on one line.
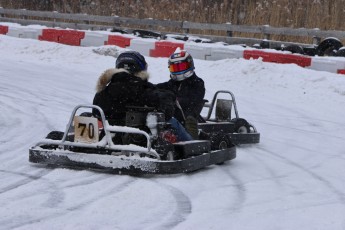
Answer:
[(86, 129)]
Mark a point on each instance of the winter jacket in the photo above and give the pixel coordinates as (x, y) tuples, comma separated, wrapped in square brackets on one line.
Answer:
[(190, 95), (117, 88)]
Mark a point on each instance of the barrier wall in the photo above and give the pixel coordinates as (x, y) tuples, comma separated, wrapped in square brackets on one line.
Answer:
[(50, 35), (3, 29), (142, 46), (281, 58), (118, 40), (198, 51), (330, 64), (165, 48), (24, 32), (94, 39), (71, 37), (341, 71), (67, 37), (155, 48), (219, 53)]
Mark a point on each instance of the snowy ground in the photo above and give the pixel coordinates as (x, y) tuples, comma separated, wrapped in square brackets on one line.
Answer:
[(293, 179)]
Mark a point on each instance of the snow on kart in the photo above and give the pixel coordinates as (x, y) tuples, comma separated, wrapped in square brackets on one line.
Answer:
[(222, 115), (145, 145)]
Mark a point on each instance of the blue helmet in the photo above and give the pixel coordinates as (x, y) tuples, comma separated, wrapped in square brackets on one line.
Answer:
[(132, 61)]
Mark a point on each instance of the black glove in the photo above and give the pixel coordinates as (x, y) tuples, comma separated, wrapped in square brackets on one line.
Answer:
[(162, 100), (167, 103)]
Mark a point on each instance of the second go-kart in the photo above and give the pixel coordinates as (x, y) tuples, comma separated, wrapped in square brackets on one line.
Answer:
[(222, 116)]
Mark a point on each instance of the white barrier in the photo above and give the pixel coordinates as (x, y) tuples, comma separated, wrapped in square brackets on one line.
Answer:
[(23, 32), (94, 39), (232, 51), (329, 64), (198, 51), (142, 46)]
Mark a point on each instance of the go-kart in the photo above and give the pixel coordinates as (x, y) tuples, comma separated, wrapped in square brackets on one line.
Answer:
[(144, 145), (222, 116)]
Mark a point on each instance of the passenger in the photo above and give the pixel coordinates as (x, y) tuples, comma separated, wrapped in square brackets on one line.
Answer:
[(127, 85), (188, 88)]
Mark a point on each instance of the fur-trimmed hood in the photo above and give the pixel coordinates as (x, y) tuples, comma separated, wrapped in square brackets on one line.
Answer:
[(107, 75)]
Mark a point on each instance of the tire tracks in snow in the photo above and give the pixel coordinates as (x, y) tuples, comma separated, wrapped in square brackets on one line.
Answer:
[(239, 186), (55, 195), (304, 130), (327, 184), (119, 188), (57, 213), (290, 116), (27, 179), (183, 207), (24, 117)]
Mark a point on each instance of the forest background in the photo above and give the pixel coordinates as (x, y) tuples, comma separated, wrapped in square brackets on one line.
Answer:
[(322, 14)]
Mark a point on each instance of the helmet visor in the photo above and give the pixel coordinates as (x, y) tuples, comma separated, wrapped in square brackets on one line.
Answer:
[(179, 67)]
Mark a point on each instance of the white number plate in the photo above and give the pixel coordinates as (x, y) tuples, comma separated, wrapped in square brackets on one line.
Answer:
[(85, 129)]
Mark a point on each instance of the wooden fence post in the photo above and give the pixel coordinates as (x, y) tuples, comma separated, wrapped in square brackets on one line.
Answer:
[(23, 16), (229, 33)]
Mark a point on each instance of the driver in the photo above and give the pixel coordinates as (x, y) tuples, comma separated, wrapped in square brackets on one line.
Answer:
[(127, 85), (188, 88)]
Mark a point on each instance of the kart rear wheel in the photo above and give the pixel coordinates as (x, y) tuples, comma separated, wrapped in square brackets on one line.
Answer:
[(241, 125), (221, 141)]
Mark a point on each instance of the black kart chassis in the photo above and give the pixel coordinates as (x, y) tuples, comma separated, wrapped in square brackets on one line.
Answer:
[(128, 165), (122, 159), (218, 119)]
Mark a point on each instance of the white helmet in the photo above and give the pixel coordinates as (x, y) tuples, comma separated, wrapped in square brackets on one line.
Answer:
[(181, 65)]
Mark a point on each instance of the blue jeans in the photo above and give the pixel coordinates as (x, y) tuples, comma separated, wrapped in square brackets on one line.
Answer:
[(182, 134)]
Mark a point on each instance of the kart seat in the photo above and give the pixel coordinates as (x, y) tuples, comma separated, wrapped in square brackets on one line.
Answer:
[(222, 110)]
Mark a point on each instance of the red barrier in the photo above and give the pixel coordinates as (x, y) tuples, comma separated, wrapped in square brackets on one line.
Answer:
[(165, 48), (341, 71), (3, 29), (67, 37), (50, 35), (278, 57), (256, 54), (118, 40), (71, 37), (293, 59)]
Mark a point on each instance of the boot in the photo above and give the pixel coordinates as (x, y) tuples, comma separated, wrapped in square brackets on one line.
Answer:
[(191, 125), (203, 135)]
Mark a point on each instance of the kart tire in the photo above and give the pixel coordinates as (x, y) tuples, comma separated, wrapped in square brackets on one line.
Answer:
[(341, 52), (294, 49), (221, 141), (329, 47), (55, 135), (165, 149), (241, 125)]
